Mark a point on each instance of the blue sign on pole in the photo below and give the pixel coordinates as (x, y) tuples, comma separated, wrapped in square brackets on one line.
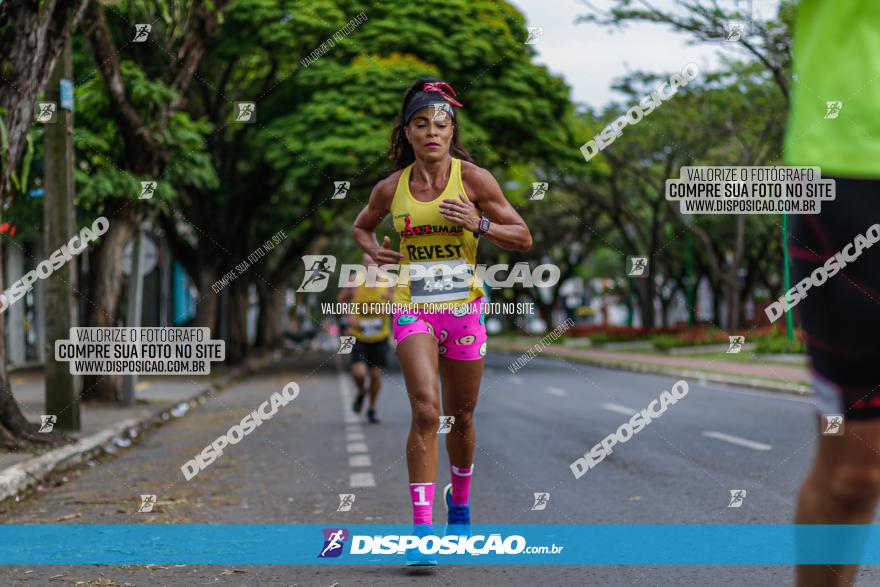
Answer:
[(67, 94)]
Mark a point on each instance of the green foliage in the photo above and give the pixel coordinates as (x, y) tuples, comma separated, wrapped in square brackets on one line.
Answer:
[(689, 338), (99, 145), (776, 342)]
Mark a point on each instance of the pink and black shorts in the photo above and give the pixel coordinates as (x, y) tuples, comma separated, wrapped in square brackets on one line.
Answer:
[(460, 331)]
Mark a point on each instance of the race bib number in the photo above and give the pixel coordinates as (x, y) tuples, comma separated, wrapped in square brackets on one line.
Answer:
[(370, 326), (439, 281)]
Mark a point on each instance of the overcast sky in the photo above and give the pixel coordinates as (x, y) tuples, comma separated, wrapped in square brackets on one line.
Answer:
[(589, 57)]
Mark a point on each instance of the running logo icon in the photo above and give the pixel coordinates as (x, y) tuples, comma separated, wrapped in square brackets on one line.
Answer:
[(346, 344), (539, 188), (346, 500), (340, 189), (334, 542), (148, 188), (47, 423), (832, 425), (638, 266), (245, 112), (141, 32), (46, 111), (446, 423), (535, 34), (833, 108), (318, 269), (736, 498), (541, 500), (147, 503), (441, 111), (736, 344), (735, 30)]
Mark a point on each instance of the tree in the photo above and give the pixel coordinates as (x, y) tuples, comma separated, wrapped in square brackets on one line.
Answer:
[(32, 35), (767, 41), (146, 149)]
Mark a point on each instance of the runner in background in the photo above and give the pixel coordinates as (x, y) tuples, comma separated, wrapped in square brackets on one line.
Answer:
[(834, 123), (371, 328)]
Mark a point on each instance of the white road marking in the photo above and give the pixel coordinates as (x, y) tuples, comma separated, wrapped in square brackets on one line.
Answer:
[(619, 409), (356, 447), (737, 440), (362, 480), (354, 437), (558, 391), (359, 460)]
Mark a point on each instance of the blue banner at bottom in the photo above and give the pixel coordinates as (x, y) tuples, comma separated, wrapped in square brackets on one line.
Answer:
[(352, 544)]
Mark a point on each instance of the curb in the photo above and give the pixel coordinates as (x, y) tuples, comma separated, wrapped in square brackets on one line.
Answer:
[(703, 376), (20, 477)]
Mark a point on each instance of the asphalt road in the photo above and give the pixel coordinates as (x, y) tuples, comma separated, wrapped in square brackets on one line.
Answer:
[(530, 426)]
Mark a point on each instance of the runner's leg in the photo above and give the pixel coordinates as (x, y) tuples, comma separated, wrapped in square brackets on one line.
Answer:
[(359, 374), (375, 386), (842, 487), (461, 385), (418, 361), (840, 319)]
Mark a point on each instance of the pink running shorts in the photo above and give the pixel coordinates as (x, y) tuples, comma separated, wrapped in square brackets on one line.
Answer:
[(460, 334)]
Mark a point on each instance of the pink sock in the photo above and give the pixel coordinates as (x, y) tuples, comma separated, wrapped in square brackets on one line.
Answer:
[(461, 484), (422, 497)]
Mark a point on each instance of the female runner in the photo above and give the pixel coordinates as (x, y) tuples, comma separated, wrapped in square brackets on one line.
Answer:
[(440, 203)]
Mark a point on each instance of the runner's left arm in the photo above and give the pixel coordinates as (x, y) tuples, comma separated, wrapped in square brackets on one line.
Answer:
[(507, 229)]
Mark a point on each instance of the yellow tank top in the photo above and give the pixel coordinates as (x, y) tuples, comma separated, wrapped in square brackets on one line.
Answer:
[(371, 324), (427, 240)]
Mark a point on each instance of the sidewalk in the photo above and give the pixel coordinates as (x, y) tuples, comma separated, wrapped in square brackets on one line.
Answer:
[(158, 399), (762, 374)]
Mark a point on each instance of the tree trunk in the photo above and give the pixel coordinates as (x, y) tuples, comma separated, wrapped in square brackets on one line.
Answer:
[(716, 302), (206, 307), (733, 305), (646, 302), (16, 432), (269, 321), (238, 306), (32, 35), (105, 277), (664, 311)]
